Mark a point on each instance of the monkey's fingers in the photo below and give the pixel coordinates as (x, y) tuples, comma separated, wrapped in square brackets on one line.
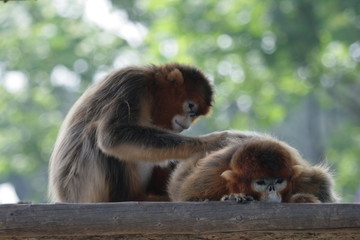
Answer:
[(237, 197)]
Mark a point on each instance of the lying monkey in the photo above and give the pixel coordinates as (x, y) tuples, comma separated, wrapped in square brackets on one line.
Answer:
[(257, 167)]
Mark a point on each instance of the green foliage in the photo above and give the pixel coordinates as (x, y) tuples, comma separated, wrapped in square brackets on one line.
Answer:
[(266, 58)]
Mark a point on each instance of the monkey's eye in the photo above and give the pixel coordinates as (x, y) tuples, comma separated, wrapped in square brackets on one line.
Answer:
[(279, 180), (260, 182)]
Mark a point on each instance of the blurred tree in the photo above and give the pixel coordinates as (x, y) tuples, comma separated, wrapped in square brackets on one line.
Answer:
[(287, 67)]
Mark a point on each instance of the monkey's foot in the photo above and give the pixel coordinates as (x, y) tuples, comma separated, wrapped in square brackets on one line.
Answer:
[(237, 197), (304, 198)]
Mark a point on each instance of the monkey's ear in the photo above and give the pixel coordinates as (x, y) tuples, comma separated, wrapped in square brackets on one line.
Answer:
[(228, 175), (176, 77), (298, 169)]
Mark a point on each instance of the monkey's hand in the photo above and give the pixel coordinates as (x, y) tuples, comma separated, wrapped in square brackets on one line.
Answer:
[(236, 136), (237, 197), (218, 140)]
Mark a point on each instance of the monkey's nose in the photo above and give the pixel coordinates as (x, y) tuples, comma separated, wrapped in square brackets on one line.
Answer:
[(271, 188)]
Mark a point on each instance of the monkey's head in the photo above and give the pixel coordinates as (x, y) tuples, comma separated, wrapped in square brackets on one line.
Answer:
[(262, 169), (181, 94)]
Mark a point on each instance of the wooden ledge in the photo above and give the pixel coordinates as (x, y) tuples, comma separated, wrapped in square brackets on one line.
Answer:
[(185, 220)]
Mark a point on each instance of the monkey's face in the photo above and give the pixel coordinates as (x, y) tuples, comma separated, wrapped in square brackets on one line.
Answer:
[(178, 116), (179, 99), (269, 189), (183, 121)]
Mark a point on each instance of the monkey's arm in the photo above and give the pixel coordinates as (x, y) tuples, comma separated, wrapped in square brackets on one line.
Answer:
[(134, 142)]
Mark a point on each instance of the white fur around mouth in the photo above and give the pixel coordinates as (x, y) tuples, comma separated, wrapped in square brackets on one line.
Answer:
[(180, 123), (178, 126)]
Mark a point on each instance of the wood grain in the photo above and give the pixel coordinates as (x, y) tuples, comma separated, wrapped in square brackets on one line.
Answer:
[(185, 220)]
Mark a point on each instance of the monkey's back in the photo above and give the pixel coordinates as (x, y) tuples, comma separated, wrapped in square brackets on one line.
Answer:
[(77, 166)]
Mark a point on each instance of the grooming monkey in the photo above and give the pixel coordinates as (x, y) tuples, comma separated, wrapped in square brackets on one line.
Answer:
[(258, 167), (122, 126)]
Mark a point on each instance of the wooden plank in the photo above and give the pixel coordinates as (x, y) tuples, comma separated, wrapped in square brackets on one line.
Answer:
[(186, 220)]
